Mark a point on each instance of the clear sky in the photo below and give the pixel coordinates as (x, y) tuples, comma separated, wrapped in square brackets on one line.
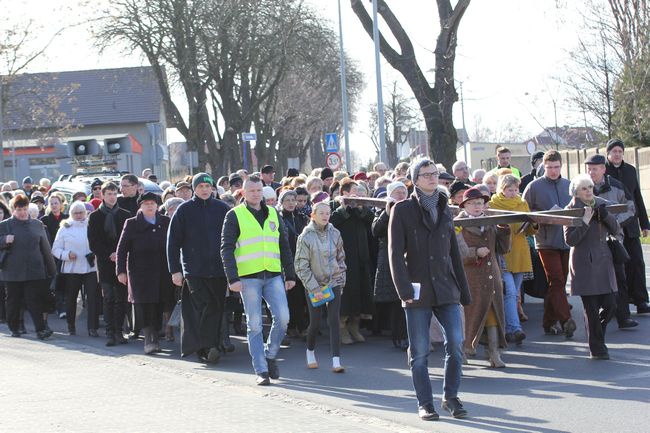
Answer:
[(507, 49)]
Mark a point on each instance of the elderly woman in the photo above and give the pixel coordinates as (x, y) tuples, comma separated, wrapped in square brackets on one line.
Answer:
[(53, 217), (590, 262), (517, 260), (385, 294), (141, 252), (78, 268), (28, 265), (295, 222)]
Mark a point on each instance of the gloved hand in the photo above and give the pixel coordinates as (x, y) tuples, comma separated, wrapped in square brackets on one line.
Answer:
[(602, 212)]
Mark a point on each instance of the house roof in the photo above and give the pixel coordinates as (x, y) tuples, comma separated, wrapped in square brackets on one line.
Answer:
[(568, 136), (82, 98)]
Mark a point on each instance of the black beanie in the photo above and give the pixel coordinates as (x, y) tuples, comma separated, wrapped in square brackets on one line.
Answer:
[(613, 143), (326, 172), (536, 157)]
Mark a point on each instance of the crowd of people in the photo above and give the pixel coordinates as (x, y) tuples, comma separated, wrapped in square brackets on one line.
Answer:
[(247, 246)]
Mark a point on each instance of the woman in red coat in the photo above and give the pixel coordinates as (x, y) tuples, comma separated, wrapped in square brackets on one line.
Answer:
[(142, 264)]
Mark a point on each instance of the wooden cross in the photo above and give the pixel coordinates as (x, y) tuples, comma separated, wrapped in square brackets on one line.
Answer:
[(565, 217)]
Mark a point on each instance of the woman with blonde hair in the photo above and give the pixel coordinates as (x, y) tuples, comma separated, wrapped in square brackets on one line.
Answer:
[(517, 260)]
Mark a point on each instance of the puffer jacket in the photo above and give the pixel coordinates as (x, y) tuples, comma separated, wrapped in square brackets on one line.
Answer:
[(73, 237), (319, 254)]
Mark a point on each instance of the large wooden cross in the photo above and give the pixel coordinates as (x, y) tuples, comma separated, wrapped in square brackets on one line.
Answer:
[(565, 217)]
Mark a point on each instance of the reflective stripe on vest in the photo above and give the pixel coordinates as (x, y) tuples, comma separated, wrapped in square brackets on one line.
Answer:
[(257, 249)]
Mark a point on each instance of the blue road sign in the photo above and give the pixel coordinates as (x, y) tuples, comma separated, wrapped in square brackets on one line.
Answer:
[(249, 136), (331, 143)]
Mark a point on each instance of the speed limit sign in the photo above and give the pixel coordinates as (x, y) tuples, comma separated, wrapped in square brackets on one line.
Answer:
[(333, 161)]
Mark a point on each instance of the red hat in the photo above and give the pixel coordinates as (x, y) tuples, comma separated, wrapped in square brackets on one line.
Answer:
[(471, 194), (360, 176), (96, 202)]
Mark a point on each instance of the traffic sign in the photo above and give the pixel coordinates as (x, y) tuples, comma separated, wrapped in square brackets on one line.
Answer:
[(249, 136), (333, 161), (331, 143)]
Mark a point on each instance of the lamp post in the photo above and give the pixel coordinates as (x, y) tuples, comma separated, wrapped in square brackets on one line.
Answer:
[(344, 94), (380, 99)]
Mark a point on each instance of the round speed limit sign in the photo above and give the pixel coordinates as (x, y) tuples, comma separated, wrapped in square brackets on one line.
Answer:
[(333, 161)]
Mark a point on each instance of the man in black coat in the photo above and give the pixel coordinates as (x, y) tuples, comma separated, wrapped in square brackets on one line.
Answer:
[(635, 268), (193, 253), (129, 189), (427, 270), (104, 229), (535, 161)]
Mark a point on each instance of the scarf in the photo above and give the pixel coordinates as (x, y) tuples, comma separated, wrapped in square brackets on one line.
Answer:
[(500, 201), (429, 203), (109, 223)]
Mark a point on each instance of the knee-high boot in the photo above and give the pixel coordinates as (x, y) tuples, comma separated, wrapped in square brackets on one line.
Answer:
[(493, 347)]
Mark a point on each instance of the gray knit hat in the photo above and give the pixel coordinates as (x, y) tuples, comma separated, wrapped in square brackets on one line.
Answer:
[(417, 165)]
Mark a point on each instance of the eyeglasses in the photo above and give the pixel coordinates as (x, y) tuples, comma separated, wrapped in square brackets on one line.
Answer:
[(429, 175), (97, 188)]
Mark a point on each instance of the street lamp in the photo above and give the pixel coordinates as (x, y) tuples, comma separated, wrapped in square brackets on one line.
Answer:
[(344, 94), (380, 99)]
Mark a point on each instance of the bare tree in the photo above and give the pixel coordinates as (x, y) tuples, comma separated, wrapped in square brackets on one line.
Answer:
[(436, 103), (400, 117)]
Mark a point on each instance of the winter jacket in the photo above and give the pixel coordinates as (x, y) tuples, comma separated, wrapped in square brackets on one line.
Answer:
[(518, 258), (423, 252), (384, 287), (29, 257), (320, 257), (229, 243), (627, 175), (52, 224), (295, 222), (194, 238), (102, 245), (615, 192), (544, 194), (129, 204), (590, 261), (73, 237)]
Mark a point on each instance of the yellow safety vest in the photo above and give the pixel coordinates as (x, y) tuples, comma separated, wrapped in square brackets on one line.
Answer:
[(257, 249)]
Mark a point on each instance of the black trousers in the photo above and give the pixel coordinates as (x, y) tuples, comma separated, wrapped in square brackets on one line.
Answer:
[(3, 303), (297, 303), (207, 296), (635, 271), (391, 314), (73, 284), (622, 298), (31, 294), (333, 319), (115, 296), (599, 310)]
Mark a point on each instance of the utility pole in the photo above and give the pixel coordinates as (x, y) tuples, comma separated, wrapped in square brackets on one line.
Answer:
[(380, 99), (344, 95)]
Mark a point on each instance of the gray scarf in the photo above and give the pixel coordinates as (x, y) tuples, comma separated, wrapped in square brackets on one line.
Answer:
[(109, 223), (429, 203)]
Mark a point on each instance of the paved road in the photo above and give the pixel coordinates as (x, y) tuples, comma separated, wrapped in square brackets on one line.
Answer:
[(75, 384)]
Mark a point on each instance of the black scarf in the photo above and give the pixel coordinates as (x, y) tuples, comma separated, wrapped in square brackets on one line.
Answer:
[(429, 203), (109, 223)]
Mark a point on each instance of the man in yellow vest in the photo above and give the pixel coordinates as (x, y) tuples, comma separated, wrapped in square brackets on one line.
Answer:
[(255, 250)]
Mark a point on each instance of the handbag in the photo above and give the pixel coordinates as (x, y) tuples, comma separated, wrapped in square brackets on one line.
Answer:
[(175, 317), (619, 253), (326, 290)]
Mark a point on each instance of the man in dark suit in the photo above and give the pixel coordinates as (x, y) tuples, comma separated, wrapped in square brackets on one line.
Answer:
[(104, 229), (635, 268)]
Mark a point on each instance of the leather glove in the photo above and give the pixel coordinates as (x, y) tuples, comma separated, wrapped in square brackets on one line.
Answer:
[(602, 212)]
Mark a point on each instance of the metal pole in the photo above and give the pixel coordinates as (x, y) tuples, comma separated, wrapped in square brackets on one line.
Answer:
[(380, 99), (462, 112), (344, 95), (557, 142), (2, 151)]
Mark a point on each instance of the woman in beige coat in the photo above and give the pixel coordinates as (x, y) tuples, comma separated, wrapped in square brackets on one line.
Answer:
[(320, 262)]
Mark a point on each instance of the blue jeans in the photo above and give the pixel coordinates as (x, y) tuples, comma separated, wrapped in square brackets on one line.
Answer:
[(513, 286), (418, 321), (272, 290)]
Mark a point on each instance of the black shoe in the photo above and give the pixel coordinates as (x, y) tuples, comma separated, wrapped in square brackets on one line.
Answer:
[(274, 371), (569, 328), (111, 341), (642, 308), (263, 379), (22, 330), (213, 355), (627, 323), (93, 333), (601, 357), (15, 334), (428, 412), (72, 330), (134, 335), (455, 407), (42, 335), (119, 338)]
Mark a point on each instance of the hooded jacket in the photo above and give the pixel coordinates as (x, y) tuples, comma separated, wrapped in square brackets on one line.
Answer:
[(73, 237), (320, 257)]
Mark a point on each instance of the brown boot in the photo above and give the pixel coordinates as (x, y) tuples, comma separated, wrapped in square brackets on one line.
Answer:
[(346, 338), (493, 347), (353, 328)]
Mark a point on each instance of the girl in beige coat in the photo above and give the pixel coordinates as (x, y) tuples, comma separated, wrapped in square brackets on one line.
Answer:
[(320, 262)]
